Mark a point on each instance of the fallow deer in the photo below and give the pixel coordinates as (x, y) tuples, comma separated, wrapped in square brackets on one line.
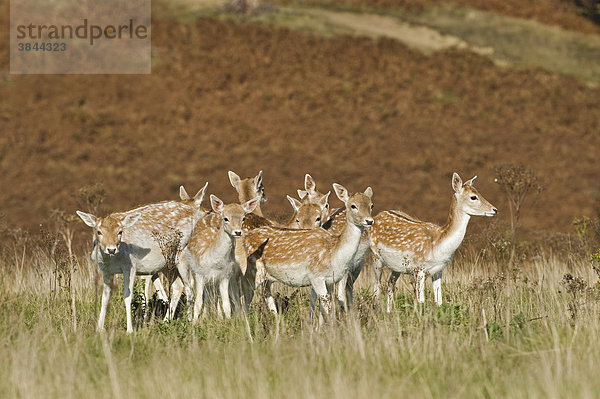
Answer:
[(407, 245), (124, 243), (311, 195), (307, 215), (315, 257), (335, 223), (210, 252)]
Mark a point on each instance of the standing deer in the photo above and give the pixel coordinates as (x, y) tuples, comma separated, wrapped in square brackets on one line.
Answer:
[(407, 245), (123, 243), (335, 223), (313, 257), (210, 252)]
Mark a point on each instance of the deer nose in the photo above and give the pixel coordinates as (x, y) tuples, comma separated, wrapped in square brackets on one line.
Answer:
[(112, 250), (369, 221), (495, 211), (237, 233)]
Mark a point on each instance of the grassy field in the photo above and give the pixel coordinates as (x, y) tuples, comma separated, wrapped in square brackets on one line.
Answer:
[(539, 339)]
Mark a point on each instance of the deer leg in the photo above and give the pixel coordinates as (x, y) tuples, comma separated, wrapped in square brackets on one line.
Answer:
[(390, 290), (436, 282), (224, 293), (158, 287), (269, 297), (106, 291), (147, 284), (235, 287), (176, 291), (249, 281), (350, 291), (199, 296), (341, 294), (313, 302), (420, 286), (184, 281), (324, 298), (128, 280), (378, 268)]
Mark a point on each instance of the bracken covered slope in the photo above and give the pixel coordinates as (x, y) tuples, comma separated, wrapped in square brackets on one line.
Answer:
[(228, 95)]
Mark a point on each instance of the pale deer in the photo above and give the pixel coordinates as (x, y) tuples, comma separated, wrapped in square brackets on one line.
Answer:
[(314, 257), (410, 246), (177, 287), (125, 243), (210, 252)]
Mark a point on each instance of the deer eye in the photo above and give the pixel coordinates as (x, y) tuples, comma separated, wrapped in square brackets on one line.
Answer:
[(319, 219), (226, 219), (297, 220), (473, 198), (121, 232), (372, 206), (99, 233), (243, 219), (353, 206)]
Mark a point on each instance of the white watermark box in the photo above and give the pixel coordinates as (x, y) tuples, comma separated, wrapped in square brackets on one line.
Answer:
[(80, 37)]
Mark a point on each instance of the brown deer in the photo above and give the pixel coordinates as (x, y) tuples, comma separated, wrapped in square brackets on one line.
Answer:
[(315, 257), (210, 252), (408, 245)]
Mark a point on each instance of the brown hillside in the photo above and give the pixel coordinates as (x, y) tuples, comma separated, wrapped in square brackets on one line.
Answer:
[(562, 13), (244, 97)]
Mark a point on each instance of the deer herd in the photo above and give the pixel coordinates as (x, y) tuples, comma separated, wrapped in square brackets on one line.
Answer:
[(234, 249)]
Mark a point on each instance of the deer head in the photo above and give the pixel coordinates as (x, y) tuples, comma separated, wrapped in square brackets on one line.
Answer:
[(358, 205), (308, 215), (248, 188), (109, 230), (468, 199), (233, 215)]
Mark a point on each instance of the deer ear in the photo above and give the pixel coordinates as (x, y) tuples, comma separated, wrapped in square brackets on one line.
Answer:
[(309, 185), (234, 179), (88, 218), (295, 203), (183, 195), (456, 183), (251, 205), (216, 204), (369, 192), (341, 192), (302, 194), (199, 197), (470, 182), (323, 200), (258, 179), (130, 220)]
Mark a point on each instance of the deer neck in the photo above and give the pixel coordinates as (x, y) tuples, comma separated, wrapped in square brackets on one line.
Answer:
[(223, 243), (453, 232), (347, 243), (98, 255)]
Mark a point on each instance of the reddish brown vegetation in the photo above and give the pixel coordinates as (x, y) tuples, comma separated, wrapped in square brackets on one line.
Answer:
[(244, 97)]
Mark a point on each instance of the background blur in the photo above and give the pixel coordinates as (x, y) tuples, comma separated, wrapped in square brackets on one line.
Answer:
[(392, 94)]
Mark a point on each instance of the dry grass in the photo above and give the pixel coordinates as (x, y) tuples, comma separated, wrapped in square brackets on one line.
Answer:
[(539, 340)]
